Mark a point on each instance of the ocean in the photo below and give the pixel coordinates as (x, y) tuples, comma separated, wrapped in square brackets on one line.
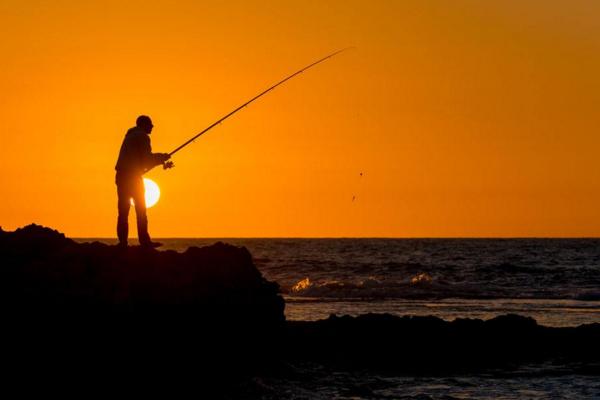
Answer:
[(555, 281)]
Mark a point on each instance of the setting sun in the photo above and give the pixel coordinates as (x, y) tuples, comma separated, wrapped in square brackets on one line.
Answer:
[(152, 193)]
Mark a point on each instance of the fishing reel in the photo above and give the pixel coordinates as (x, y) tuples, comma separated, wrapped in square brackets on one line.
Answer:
[(168, 165)]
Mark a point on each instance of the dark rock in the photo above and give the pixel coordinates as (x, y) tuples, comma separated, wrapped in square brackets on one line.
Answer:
[(135, 308), (432, 345), (44, 271)]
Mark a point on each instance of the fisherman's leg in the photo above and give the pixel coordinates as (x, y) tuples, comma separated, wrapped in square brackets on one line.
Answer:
[(139, 201), (123, 206)]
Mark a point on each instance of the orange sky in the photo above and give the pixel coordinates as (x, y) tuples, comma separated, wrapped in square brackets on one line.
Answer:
[(468, 118)]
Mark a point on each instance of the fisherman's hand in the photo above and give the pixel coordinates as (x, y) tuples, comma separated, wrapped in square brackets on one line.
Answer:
[(165, 156)]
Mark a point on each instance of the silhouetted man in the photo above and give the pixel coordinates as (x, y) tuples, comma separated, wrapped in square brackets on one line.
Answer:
[(135, 158)]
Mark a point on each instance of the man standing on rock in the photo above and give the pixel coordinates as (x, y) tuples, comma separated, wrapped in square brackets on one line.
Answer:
[(135, 158)]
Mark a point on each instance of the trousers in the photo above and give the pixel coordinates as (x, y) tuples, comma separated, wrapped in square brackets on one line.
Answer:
[(131, 187)]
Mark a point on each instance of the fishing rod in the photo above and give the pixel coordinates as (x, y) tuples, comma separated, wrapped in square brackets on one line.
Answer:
[(255, 98)]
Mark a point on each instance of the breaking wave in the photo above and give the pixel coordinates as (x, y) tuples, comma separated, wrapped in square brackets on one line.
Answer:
[(419, 286)]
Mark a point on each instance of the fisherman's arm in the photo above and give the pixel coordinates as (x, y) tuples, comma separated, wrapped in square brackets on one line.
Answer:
[(152, 159)]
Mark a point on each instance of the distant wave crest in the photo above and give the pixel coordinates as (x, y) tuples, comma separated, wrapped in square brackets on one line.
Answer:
[(421, 285)]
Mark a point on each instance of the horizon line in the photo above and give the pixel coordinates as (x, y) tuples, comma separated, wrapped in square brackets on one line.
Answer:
[(350, 237)]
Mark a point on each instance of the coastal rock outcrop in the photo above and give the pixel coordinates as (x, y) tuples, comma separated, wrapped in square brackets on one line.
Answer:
[(429, 345), (135, 309), (42, 270)]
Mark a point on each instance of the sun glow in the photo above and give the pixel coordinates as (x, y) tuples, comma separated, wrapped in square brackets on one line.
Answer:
[(151, 193)]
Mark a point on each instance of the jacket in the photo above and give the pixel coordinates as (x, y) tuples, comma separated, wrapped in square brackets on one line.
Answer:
[(135, 156)]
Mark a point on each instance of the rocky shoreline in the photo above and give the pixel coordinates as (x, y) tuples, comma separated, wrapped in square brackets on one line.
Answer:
[(212, 304)]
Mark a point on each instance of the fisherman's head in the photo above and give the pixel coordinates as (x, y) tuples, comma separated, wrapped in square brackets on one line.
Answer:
[(145, 123)]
